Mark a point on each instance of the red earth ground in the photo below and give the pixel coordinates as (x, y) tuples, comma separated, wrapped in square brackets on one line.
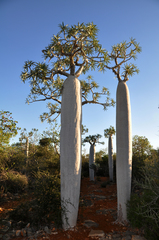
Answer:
[(89, 191)]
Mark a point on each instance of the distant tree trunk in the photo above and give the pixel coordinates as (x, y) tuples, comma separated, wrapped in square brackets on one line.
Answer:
[(110, 159), (124, 149), (91, 161), (70, 149), (27, 150)]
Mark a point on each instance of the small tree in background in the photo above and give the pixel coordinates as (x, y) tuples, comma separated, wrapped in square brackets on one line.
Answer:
[(92, 140), (108, 133), (142, 151), (54, 134), (26, 136), (8, 128)]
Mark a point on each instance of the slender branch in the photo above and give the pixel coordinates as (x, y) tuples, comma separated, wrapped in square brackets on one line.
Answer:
[(46, 98), (95, 102)]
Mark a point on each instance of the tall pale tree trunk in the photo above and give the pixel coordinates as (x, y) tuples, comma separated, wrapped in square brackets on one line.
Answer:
[(110, 158), (70, 149), (27, 147), (124, 149), (27, 150), (91, 161)]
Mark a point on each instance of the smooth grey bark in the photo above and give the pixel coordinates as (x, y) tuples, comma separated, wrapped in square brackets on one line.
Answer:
[(70, 149), (27, 151), (91, 161), (124, 149), (27, 147), (110, 158)]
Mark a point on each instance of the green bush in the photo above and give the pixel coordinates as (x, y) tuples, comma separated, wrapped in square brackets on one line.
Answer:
[(12, 181), (104, 184), (143, 208), (47, 193), (85, 169), (12, 158), (46, 204)]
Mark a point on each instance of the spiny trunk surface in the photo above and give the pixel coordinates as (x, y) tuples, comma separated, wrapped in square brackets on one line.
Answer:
[(110, 160), (124, 149), (91, 161), (70, 149)]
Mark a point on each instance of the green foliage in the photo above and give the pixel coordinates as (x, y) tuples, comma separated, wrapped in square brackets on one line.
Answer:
[(44, 142), (12, 157), (47, 192), (32, 135), (46, 204), (54, 135), (121, 54), (93, 139), (109, 132), (102, 161), (143, 208), (8, 128), (88, 86), (85, 166), (46, 157), (73, 51), (141, 146), (13, 182), (141, 153), (84, 130), (78, 46)]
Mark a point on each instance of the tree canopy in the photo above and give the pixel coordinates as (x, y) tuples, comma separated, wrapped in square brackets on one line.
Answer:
[(73, 51), (120, 55), (93, 139), (109, 132), (32, 135), (141, 146), (8, 128)]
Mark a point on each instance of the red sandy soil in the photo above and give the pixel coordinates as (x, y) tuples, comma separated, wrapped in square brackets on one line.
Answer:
[(106, 221)]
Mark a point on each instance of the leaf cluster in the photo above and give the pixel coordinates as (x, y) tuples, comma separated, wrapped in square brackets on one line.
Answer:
[(93, 139), (120, 55), (143, 208), (73, 51), (88, 89), (76, 47), (8, 128), (109, 132)]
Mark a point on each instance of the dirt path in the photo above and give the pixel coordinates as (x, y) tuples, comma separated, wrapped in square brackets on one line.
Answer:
[(99, 206)]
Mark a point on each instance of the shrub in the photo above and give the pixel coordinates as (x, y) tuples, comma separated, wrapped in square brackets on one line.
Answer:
[(46, 204), (104, 184), (13, 181), (143, 208), (85, 169), (47, 193)]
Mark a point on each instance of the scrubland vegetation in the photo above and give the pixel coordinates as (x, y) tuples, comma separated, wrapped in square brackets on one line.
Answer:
[(38, 180), (32, 168)]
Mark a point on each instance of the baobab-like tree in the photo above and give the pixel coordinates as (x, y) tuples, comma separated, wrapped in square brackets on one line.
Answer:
[(108, 133), (26, 136), (92, 140), (73, 51), (120, 55)]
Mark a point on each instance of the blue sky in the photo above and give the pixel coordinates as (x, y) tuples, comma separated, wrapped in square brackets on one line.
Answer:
[(26, 28)]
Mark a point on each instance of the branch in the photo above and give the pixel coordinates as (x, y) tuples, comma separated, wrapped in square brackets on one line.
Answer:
[(79, 71), (59, 72), (95, 102)]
